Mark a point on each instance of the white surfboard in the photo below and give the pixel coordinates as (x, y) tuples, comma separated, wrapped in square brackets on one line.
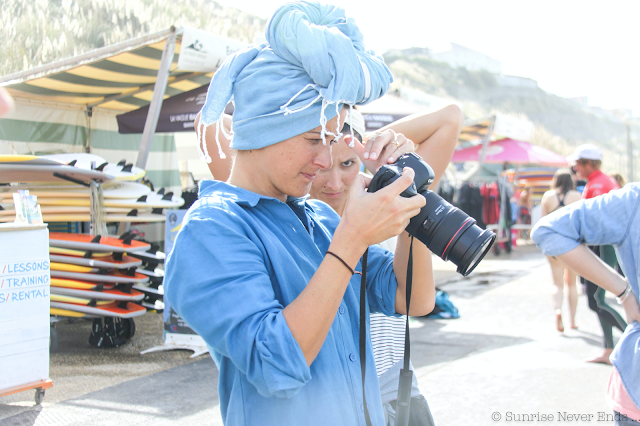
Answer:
[(109, 278), (120, 171), (152, 200), (86, 217), (112, 189)]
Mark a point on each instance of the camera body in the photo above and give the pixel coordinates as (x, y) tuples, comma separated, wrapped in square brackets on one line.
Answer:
[(446, 230)]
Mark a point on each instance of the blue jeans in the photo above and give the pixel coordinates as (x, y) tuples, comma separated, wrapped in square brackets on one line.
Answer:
[(622, 420)]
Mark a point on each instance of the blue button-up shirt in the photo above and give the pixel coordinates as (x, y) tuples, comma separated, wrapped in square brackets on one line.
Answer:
[(614, 219), (238, 260)]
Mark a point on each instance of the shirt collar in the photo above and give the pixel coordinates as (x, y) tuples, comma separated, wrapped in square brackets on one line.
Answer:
[(243, 196), (594, 174)]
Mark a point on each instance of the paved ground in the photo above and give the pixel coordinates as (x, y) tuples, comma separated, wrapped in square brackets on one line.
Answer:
[(501, 360)]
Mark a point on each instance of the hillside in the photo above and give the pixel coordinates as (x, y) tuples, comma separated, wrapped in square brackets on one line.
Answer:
[(560, 124), (42, 31)]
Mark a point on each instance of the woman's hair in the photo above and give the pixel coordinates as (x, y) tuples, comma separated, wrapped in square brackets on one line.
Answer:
[(562, 179), (619, 178)]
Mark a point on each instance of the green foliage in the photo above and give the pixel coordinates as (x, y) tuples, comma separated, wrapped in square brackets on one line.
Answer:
[(37, 32)]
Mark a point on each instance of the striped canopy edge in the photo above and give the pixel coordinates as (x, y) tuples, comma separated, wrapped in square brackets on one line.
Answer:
[(119, 77)]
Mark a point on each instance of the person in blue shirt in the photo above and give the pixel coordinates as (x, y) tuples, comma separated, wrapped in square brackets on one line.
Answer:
[(612, 218), (265, 276)]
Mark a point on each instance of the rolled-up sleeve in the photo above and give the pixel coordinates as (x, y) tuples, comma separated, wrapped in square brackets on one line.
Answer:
[(218, 283), (598, 221)]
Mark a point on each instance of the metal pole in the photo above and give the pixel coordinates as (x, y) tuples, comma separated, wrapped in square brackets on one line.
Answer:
[(156, 100), (630, 176), (486, 140)]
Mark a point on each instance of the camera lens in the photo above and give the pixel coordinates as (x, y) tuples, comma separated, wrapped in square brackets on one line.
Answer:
[(450, 233)]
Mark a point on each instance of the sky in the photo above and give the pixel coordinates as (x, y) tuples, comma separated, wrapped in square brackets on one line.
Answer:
[(572, 48)]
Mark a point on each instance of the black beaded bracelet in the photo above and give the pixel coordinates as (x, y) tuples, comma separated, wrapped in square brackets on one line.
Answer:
[(344, 263)]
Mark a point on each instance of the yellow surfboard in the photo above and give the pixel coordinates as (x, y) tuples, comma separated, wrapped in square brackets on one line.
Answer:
[(71, 252), (77, 300), (55, 266)]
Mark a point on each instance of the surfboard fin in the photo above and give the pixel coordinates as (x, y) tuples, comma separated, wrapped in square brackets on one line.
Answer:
[(142, 199), (122, 162), (157, 210), (117, 256), (93, 303), (131, 272), (168, 196), (72, 163), (127, 237), (160, 191), (127, 167), (96, 239), (102, 166), (133, 212)]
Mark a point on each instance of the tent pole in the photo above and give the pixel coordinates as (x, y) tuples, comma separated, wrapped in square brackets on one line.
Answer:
[(156, 101), (485, 140)]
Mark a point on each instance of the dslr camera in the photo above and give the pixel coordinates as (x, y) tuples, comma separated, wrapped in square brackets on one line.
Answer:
[(446, 230)]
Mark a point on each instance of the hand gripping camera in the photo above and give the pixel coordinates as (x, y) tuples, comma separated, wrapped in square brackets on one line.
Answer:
[(446, 230)]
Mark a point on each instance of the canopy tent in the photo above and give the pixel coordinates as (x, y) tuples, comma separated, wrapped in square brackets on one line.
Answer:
[(510, 151), (70, 105)]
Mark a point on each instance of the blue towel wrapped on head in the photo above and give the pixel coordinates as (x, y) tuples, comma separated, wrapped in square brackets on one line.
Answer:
[(312, 64)]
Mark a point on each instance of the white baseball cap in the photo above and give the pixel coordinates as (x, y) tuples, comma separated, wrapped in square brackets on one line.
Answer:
[(585, 152)]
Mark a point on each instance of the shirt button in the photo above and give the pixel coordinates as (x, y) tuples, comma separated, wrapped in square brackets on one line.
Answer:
[(352, 357), (341, 310)]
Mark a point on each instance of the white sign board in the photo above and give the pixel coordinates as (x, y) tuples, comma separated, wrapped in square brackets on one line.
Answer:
[(201, 51), (512, 127)]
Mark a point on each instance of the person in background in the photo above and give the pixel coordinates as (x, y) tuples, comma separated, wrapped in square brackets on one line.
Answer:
[(436, 136), (562, 194), (524, 205), (587, 161), (620, 180), (6, 102), (610, 219), (268, 278)]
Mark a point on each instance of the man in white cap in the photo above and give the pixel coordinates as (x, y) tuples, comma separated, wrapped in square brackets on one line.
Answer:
[(587, 160)]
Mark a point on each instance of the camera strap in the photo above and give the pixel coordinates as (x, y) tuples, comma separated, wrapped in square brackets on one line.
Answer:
[(403, 404), (406, 375), (363, 332)]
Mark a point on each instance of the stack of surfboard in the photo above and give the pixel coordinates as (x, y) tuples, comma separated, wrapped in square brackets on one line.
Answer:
[(153, 289), (93, 277), (59, 183)]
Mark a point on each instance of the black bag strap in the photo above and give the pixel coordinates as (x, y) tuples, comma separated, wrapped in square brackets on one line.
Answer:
[(363, 332)]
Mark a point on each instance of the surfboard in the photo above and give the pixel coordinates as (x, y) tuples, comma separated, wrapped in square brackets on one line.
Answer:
[(116, 309), (101, 295), (105, 262), (150, 201), (29, 159), (70, 252), (109, 218), (96, 243), (120, 171), (151, 273), (114, 277), (55, 266), (71, 314), (71, 210), (81, 285), (77, 300), (148, 289), (112, 189), (24, 172)]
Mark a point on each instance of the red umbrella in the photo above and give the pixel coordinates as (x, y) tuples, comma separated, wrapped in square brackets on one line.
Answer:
[(511, 151)]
